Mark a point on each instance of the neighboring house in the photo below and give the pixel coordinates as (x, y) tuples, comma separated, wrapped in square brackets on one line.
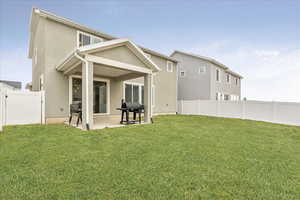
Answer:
[(72, 63), (10, 85), (204, 78)]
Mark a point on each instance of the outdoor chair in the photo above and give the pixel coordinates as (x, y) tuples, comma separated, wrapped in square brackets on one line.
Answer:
[(75, 109)]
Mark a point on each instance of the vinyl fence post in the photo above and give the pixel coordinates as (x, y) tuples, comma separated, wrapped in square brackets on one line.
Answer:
[(243, 109), (43, 107)]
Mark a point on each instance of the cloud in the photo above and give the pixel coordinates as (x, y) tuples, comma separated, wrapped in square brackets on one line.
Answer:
[(269, 74)]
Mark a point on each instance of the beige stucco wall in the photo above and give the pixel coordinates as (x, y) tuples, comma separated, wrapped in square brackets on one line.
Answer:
[(58, 40), (121, 54), (39, 43), (165, 84)]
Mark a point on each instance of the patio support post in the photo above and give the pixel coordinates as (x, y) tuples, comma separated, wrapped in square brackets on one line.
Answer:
[(148, 97), (87, 95)]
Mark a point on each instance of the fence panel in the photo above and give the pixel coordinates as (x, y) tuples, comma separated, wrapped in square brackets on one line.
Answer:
[(22, 107), (277, 112)]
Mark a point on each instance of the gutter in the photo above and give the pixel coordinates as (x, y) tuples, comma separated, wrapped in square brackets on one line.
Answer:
[(86, 89)]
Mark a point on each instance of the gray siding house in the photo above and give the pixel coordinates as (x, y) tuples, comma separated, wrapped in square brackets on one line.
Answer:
[(72, 63), (204, 78)]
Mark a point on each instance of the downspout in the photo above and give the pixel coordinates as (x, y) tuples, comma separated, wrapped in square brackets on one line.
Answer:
[(86, 89)]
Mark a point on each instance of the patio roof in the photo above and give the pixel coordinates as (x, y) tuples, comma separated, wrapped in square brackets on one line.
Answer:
[(117, 68)]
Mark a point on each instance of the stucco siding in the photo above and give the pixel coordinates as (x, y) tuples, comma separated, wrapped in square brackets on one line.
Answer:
[(56, 41), (121, 54), (193, 85), (203, 86), (60, 40), (165, 84), (39, 67)]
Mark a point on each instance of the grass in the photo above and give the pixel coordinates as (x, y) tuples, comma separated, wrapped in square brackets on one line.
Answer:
[(177, 157)]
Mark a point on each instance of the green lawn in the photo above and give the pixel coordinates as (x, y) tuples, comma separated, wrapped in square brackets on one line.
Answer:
[(177, 157)]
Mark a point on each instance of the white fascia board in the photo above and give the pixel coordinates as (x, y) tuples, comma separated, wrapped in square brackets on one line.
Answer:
[(98, 46), (116, 64), (118, 42)]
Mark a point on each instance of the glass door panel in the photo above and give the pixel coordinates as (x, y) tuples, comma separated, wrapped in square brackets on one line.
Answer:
[(100, 97)]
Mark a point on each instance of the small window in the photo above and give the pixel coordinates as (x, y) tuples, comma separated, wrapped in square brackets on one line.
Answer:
[(134, 93), (236, 81), (226, 97), (35, 56), (202, 70), (182, 73), (228, 78), (87, 39), (169, 66), (218, 75)]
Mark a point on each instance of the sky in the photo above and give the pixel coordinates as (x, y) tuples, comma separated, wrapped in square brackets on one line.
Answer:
[(259, 39)]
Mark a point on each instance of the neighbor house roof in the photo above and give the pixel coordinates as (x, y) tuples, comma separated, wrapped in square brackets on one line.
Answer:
[(38, 12), (211, 60), (14, 84)]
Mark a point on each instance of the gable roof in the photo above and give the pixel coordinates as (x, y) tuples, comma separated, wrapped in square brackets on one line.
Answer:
[(36, 12), (211, 60), (14, 84), (85, 50), (119, 42)]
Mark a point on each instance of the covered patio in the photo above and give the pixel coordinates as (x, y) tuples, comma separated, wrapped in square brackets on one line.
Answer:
[(96, 73)]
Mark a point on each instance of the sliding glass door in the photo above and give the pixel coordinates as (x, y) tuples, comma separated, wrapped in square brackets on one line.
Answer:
[(100, 95)]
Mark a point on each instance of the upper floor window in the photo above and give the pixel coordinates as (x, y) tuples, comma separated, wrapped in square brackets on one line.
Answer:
[(218, 75), (169, 66), (202, 70), (228, 78), (87, 39), (182, 73), (236, 81)]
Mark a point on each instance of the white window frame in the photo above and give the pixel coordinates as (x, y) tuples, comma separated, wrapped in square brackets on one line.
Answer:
[(236, 81), (136, 84), (229, 78), (219, 80), (202, 67), (90, 35), (94, 79), (169, 70), (140, 91), (184, 73), (35, 55)]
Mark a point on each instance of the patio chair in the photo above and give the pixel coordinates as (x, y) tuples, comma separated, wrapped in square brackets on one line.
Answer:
[(75, 109)]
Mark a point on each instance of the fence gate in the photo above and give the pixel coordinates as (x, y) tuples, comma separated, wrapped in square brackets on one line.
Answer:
[(22, 107)]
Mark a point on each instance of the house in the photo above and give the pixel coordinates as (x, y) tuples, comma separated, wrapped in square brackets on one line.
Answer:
[(73, 63), (204, 78), (10, 85)]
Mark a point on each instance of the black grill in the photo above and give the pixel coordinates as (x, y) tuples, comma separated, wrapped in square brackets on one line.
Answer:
[(130, 107)]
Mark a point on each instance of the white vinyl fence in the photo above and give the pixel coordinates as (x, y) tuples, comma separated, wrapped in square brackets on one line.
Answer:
[(276, 112), (21, 107)]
